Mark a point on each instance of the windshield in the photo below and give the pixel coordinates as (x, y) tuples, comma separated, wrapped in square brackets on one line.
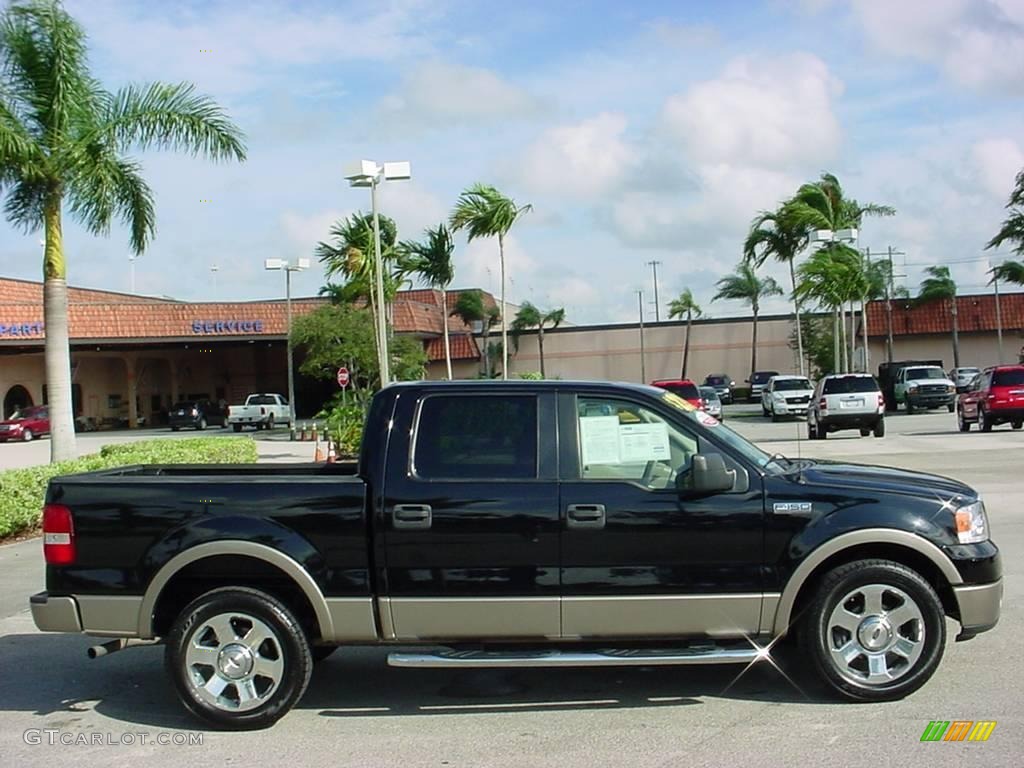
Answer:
[(262, 400), (791, 384), (34, 412), (709, 393), (183, 406), (762, 376), (718, 381), (925, 373), (1011, 378), (739, 444), (842, 385)]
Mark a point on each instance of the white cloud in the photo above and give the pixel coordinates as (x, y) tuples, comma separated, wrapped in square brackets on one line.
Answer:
[(997, 161), (977, 43), (477, 264), (770, 112), (583, 160), (441, 93)]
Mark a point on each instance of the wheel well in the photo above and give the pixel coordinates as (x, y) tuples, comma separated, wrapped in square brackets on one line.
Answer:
[(231, 571), (903, 555)]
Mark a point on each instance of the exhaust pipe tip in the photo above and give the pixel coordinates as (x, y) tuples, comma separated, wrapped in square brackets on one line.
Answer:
[(95, 651)]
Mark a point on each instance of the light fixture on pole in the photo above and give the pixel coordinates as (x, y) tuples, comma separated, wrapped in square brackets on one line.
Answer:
[(366, 173), (999, 313), (288, 266), (657, 309)]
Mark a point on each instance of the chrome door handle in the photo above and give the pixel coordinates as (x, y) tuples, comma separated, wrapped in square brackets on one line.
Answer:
[(585, 516), (408, 516)]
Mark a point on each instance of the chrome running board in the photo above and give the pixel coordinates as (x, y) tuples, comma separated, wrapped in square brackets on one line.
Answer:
[(611, 657)]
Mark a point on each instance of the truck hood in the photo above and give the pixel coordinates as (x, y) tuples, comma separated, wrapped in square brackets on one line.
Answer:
[(885, 479), (922, 382)]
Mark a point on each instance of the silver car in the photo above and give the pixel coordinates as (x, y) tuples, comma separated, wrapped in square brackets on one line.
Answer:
[(962, 377), (712, 402)]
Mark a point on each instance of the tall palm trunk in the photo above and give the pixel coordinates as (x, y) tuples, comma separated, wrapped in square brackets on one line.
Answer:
[(504, 324), (753, 341), (686, 344), (796, 314), (853, 334), (835, 340), (487, 348), (58, 348), (956, 336), (447, 342), (843, 349), (540, 347)]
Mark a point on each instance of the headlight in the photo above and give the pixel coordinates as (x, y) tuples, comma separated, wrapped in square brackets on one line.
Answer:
[(778, 396), (972, 523), (951, 388), (912, 388)]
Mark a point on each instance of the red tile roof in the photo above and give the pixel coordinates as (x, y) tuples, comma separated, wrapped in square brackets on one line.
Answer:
[(105, 315), (974, 313)]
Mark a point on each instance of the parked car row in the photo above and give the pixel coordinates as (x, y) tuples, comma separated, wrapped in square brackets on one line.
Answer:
[(26, 424), (992, 397)]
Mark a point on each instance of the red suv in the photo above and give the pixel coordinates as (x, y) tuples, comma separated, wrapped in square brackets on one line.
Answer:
[(994, 396), (25, 424), (684, 388)]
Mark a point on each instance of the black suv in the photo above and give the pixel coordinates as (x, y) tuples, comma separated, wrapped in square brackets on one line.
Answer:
[(196, 414)]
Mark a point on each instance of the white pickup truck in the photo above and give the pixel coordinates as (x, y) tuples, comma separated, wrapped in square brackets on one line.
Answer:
[(262, 411)]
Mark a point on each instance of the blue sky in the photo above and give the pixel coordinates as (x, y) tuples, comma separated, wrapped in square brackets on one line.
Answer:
[(639, 131)]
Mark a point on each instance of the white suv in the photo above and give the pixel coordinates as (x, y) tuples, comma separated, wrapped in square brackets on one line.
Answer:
[(786, 396), (846, 401)]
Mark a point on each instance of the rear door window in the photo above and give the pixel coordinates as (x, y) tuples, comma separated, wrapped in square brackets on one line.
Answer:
[(1011, 378), (474, 437)]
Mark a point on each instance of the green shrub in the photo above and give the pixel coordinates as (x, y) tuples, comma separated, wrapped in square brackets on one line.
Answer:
[(22, 491), (344, 426)]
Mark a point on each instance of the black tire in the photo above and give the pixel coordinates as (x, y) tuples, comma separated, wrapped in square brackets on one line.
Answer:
[(175, 429), (775, 417), (898, 584), (879, 430), (1016, 424), (286, 639), (984, 422), (321, 652), (764, 411), (865, 431), (950, 407), (202, 424), (910, 406), (962, 424), (237, 427), (270, 423)]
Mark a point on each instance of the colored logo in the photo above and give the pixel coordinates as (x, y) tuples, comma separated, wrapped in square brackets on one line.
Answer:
[(958, 730)]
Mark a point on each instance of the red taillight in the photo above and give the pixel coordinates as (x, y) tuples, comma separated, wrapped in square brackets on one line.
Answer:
[(58, 535), (823, 404), (881, 400)]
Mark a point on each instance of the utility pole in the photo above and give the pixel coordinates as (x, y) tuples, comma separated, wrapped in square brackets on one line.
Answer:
[(657, 310), (643, 362), (999, 314), (889, 291), (864, 312)]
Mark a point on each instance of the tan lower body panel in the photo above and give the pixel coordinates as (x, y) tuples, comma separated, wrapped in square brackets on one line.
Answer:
[(109, 616), (352, 618), (664, 615), (468, 618)]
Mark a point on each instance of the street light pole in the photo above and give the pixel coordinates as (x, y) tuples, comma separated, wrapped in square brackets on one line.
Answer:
[(999, 314), (643, 357), (288, 267), (657, 309), (378, 267)]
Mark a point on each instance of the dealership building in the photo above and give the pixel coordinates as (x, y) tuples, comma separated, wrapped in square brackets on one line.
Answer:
[(133, 356)]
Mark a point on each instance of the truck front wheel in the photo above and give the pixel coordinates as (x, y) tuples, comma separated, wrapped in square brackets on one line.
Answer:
[(875, 629), (238, 658)]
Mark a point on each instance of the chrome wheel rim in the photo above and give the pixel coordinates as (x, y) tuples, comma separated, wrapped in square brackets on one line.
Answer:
[(234, 662), (875, 635)]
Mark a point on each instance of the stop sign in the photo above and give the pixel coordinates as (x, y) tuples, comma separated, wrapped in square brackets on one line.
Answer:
[(343, 377)]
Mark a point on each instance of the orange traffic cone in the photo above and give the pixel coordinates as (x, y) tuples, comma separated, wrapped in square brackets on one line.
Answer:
[(318, 453), (332, 456)]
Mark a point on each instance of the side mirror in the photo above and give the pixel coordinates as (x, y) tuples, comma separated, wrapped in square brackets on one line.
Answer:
[(708, 475)]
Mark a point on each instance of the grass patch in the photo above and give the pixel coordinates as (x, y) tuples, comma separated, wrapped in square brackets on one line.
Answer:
[(22, 491)]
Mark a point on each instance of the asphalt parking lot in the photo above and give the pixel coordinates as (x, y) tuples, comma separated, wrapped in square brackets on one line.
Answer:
[(359, 712)]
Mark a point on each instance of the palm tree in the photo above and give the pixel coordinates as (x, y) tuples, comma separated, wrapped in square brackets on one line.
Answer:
[(778, 235), (744, 285), (831, 277), (940, 286), (1009, 272), (529, 316), (1012, 230), (823, 205), (484, 212), (432, 260), (63, 138), (685, 306), (471, 308)]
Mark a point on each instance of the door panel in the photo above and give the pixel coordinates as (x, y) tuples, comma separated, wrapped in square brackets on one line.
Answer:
[(472, 549), (661, 564)]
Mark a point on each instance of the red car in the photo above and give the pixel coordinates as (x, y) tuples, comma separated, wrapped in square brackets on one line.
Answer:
[(994, 396), (25, 424), (684, 388)]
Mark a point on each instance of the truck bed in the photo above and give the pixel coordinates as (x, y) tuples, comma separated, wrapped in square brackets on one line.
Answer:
[(307, 470)]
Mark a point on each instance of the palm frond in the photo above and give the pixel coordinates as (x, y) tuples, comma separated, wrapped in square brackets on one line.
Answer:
[(1009, 272)]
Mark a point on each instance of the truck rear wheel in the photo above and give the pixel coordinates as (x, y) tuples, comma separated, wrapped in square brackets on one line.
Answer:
[(237, 427), (238, 658), (875, 630)]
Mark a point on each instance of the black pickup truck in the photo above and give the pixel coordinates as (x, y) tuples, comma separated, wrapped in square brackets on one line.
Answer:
[(492, 524)]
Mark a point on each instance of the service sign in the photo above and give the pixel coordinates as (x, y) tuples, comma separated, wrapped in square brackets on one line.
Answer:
[(14, 330), (214, 327)]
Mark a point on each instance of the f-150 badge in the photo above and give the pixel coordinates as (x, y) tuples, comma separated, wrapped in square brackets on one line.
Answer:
[(793, 508)]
